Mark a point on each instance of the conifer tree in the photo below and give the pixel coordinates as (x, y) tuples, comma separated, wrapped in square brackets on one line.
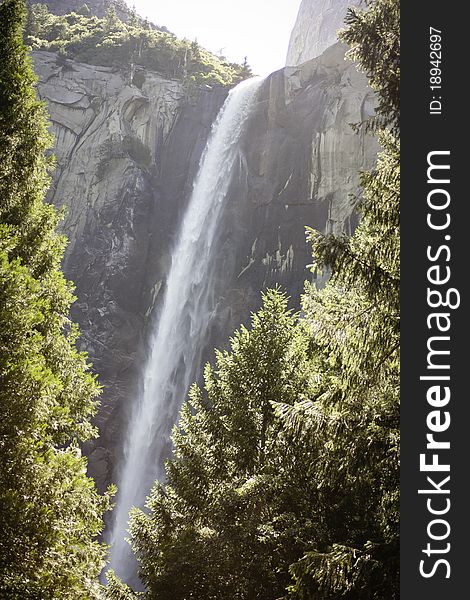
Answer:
[(50, 512), (224, 524), (111, 18), (354, 323)]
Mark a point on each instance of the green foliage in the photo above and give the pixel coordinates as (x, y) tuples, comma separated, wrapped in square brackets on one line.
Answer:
[(336, 574), (374, 38), (354, 323), (50, 511), (366, 270), (224, 525), (111, 42), (116, 590)]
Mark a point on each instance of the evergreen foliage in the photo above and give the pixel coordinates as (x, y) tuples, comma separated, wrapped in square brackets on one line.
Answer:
[(375, 44), (50, 511), (354, 323), (228, 522), (96, 7), (284, 481), (116, 590), (111, 42)]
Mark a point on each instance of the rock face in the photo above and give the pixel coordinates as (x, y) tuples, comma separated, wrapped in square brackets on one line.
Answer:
[(128, 148), (316, 28), (301, 163)]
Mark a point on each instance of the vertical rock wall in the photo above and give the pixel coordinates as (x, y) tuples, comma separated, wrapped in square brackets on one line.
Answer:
[(128, 148), (316, 28)]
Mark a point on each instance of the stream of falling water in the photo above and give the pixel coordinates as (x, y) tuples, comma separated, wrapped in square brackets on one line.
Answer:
[(179, 335)]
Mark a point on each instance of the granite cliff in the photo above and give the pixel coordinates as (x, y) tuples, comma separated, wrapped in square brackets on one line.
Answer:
[(316, 28), (128, 145)]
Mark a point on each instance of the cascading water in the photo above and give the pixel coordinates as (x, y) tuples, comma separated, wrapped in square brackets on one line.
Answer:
[(179, 336)]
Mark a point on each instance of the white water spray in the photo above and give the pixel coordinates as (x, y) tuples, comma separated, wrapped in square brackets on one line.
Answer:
[(179, 336)]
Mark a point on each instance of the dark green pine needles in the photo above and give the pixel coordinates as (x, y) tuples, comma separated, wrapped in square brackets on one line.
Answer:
[(50, 512)]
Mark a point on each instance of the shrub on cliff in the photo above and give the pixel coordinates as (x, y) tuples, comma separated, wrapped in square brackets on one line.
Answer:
[(111, 42), (50, 512)]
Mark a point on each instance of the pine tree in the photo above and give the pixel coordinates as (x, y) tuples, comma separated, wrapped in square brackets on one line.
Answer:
[(111, 18), (223, 525), (354, 324), (50, 511), (133, 20), (116, 590), (375, 44)]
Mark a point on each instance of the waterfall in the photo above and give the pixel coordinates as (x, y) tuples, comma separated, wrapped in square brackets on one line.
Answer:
[(179, 335)]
